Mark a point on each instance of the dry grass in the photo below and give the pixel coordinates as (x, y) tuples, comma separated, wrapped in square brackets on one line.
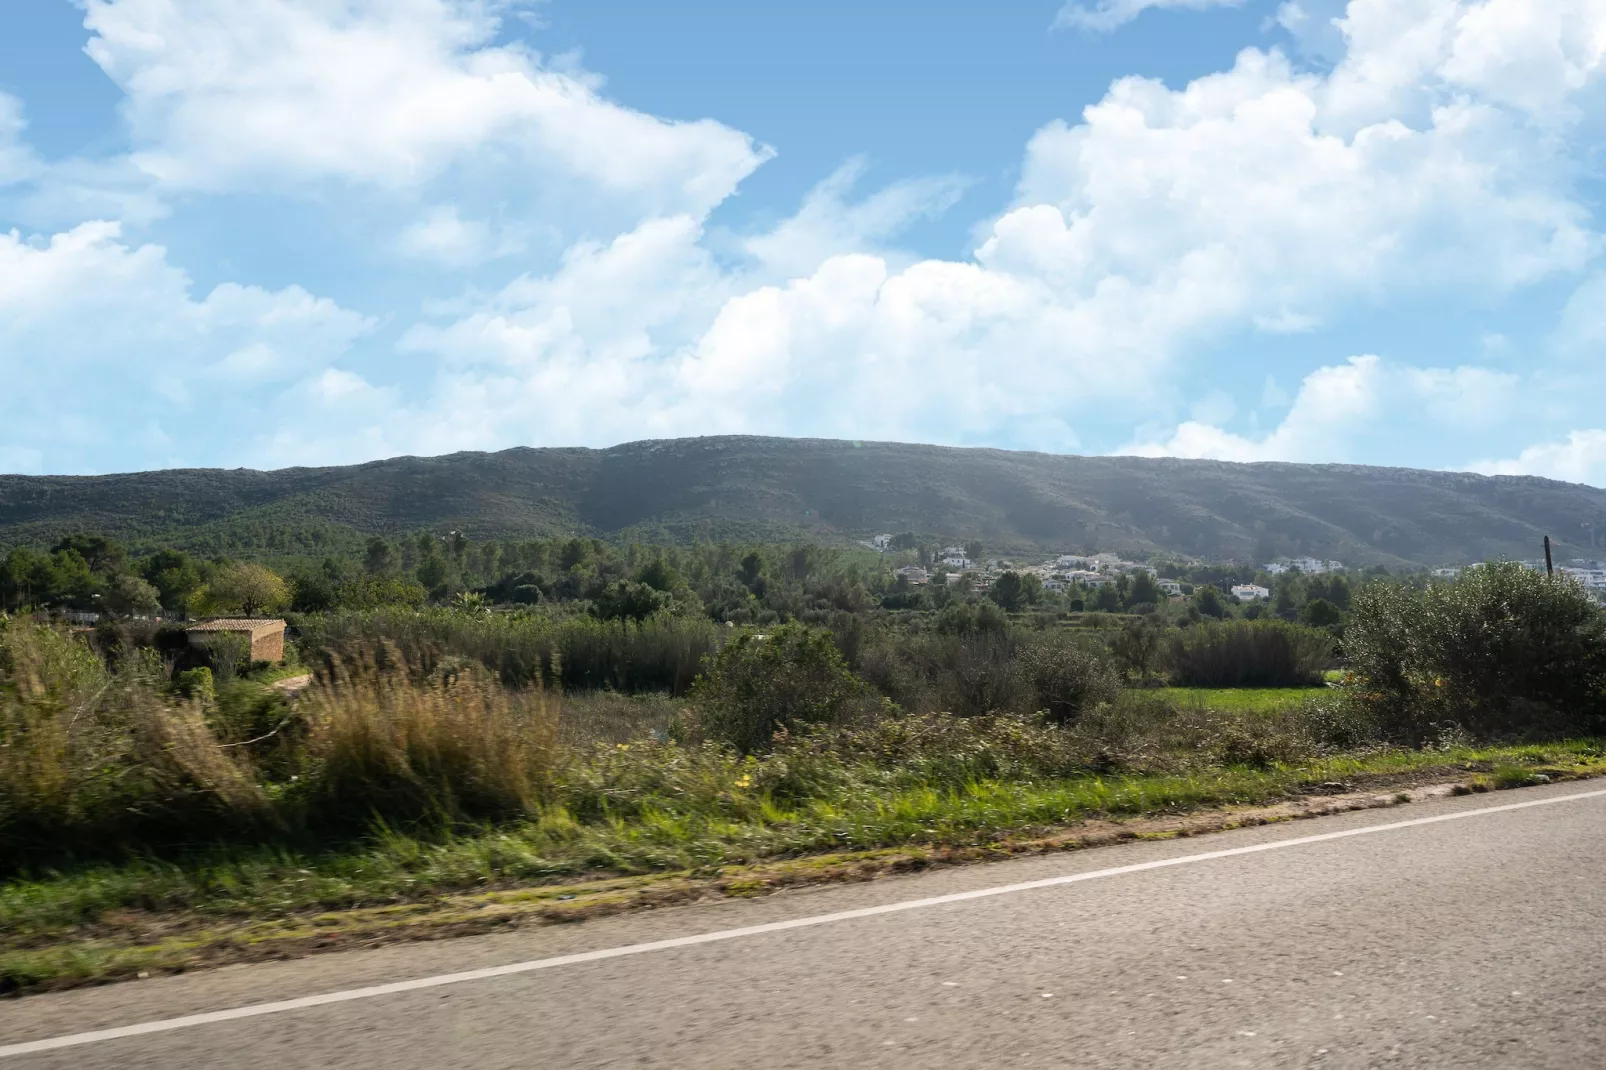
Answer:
[(382, 743)]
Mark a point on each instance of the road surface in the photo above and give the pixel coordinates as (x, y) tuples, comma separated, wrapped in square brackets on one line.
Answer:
[(1350, 941)]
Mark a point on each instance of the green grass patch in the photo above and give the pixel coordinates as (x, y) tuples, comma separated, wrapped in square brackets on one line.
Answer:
[(108, 920), (1239, 699)]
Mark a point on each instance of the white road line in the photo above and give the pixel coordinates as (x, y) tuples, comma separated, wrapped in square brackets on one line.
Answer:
[(256, 1010)]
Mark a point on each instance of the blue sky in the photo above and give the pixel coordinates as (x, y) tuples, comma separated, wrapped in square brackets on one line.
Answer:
[(276, 232)]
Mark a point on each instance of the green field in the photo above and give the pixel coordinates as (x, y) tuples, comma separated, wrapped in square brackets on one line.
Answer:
[(1239, 700)]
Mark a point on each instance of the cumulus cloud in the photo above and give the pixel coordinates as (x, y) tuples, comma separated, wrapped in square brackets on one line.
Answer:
[(1343, 408), (1578, 458), (1107, 15), (1148, 232), (129, 346), (387, 93), (1436, 161)]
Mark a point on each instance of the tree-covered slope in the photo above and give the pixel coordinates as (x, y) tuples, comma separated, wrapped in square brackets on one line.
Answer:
[(771, 488)]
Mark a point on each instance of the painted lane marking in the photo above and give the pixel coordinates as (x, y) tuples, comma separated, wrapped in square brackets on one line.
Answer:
[(257, 1010)]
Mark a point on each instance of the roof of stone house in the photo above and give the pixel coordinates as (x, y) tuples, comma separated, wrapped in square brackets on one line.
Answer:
[(239, 624)]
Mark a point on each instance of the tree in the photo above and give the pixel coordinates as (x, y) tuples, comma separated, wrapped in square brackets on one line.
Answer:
[(904, 541), (1143, 590), (174, 576), (1008, 592), (1107, 598), (102, 555), (658, 575), (126, 594), (1283, 604), (973, 550), (625, 600), (752, 570), (1320, 613), (243, 588), (1207, 600), (1136, 646), (378, 558)]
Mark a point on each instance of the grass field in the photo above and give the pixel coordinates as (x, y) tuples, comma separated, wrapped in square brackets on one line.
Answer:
[(1239, 700), (107, 921)]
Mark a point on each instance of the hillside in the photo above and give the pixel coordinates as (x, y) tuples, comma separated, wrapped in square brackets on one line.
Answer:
[(771, 488)]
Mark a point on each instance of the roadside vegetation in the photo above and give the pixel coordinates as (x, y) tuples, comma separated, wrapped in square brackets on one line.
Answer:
[(449, 750)]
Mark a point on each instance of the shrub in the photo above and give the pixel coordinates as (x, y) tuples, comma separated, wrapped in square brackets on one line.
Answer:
[(758, 685), (1258, 653), (98, 761), (195, 683), (1067, 677), (1503, 650)]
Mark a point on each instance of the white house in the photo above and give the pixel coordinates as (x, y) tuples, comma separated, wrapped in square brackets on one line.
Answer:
[(914, 574), (1275, 568), (1593, 578), (956, 560), (1052, 584), (1250, 592), (881, 542), (1090, 580), (1170, 587), (948, 551), (1070, 561), (1446, 573)]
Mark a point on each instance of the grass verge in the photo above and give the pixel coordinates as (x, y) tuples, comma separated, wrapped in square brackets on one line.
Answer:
[(103, 923)]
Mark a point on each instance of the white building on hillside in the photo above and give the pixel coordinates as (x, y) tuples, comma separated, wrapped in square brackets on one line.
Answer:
[(1593, 578), (1250, 592), (959, 560), (881, 542), (1446, 573), (914, 574), (1170, 587)]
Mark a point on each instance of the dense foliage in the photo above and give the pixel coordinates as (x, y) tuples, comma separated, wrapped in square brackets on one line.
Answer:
[(1502, 650)]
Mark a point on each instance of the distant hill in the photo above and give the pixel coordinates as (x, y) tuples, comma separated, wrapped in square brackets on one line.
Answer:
[(745, 488)]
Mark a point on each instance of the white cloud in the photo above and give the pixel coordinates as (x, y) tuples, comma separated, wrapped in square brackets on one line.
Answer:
[(387, 93), (1578, 458), (1582, 331), (17, 160), (829, 223), (1164, 221), (129, 346), (1106, 15), (1343, 408), (1435, 162), (444, 235)]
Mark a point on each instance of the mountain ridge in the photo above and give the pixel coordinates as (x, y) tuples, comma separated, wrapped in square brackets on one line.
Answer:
[(753, 488)]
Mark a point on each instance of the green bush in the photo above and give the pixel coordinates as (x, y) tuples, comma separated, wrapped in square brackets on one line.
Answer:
[(1503, 650), (1261, 653), (195, 683), (758, 685), (1067, 677)]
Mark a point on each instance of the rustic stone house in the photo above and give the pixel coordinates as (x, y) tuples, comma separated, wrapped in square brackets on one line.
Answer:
[(266, 636)]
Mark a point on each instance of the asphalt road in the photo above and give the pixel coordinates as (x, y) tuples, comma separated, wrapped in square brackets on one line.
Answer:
[(1474, 942)]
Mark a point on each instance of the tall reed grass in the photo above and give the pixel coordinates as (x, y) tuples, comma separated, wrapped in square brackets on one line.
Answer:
[(574, 653)]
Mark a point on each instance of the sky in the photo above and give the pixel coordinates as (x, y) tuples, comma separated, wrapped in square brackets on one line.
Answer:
[(264, 233)]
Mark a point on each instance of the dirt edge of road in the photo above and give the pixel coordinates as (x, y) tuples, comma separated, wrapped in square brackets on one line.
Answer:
[(137, 944)]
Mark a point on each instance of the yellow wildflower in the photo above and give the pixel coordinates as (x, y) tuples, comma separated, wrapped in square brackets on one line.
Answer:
[(744, 781)]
